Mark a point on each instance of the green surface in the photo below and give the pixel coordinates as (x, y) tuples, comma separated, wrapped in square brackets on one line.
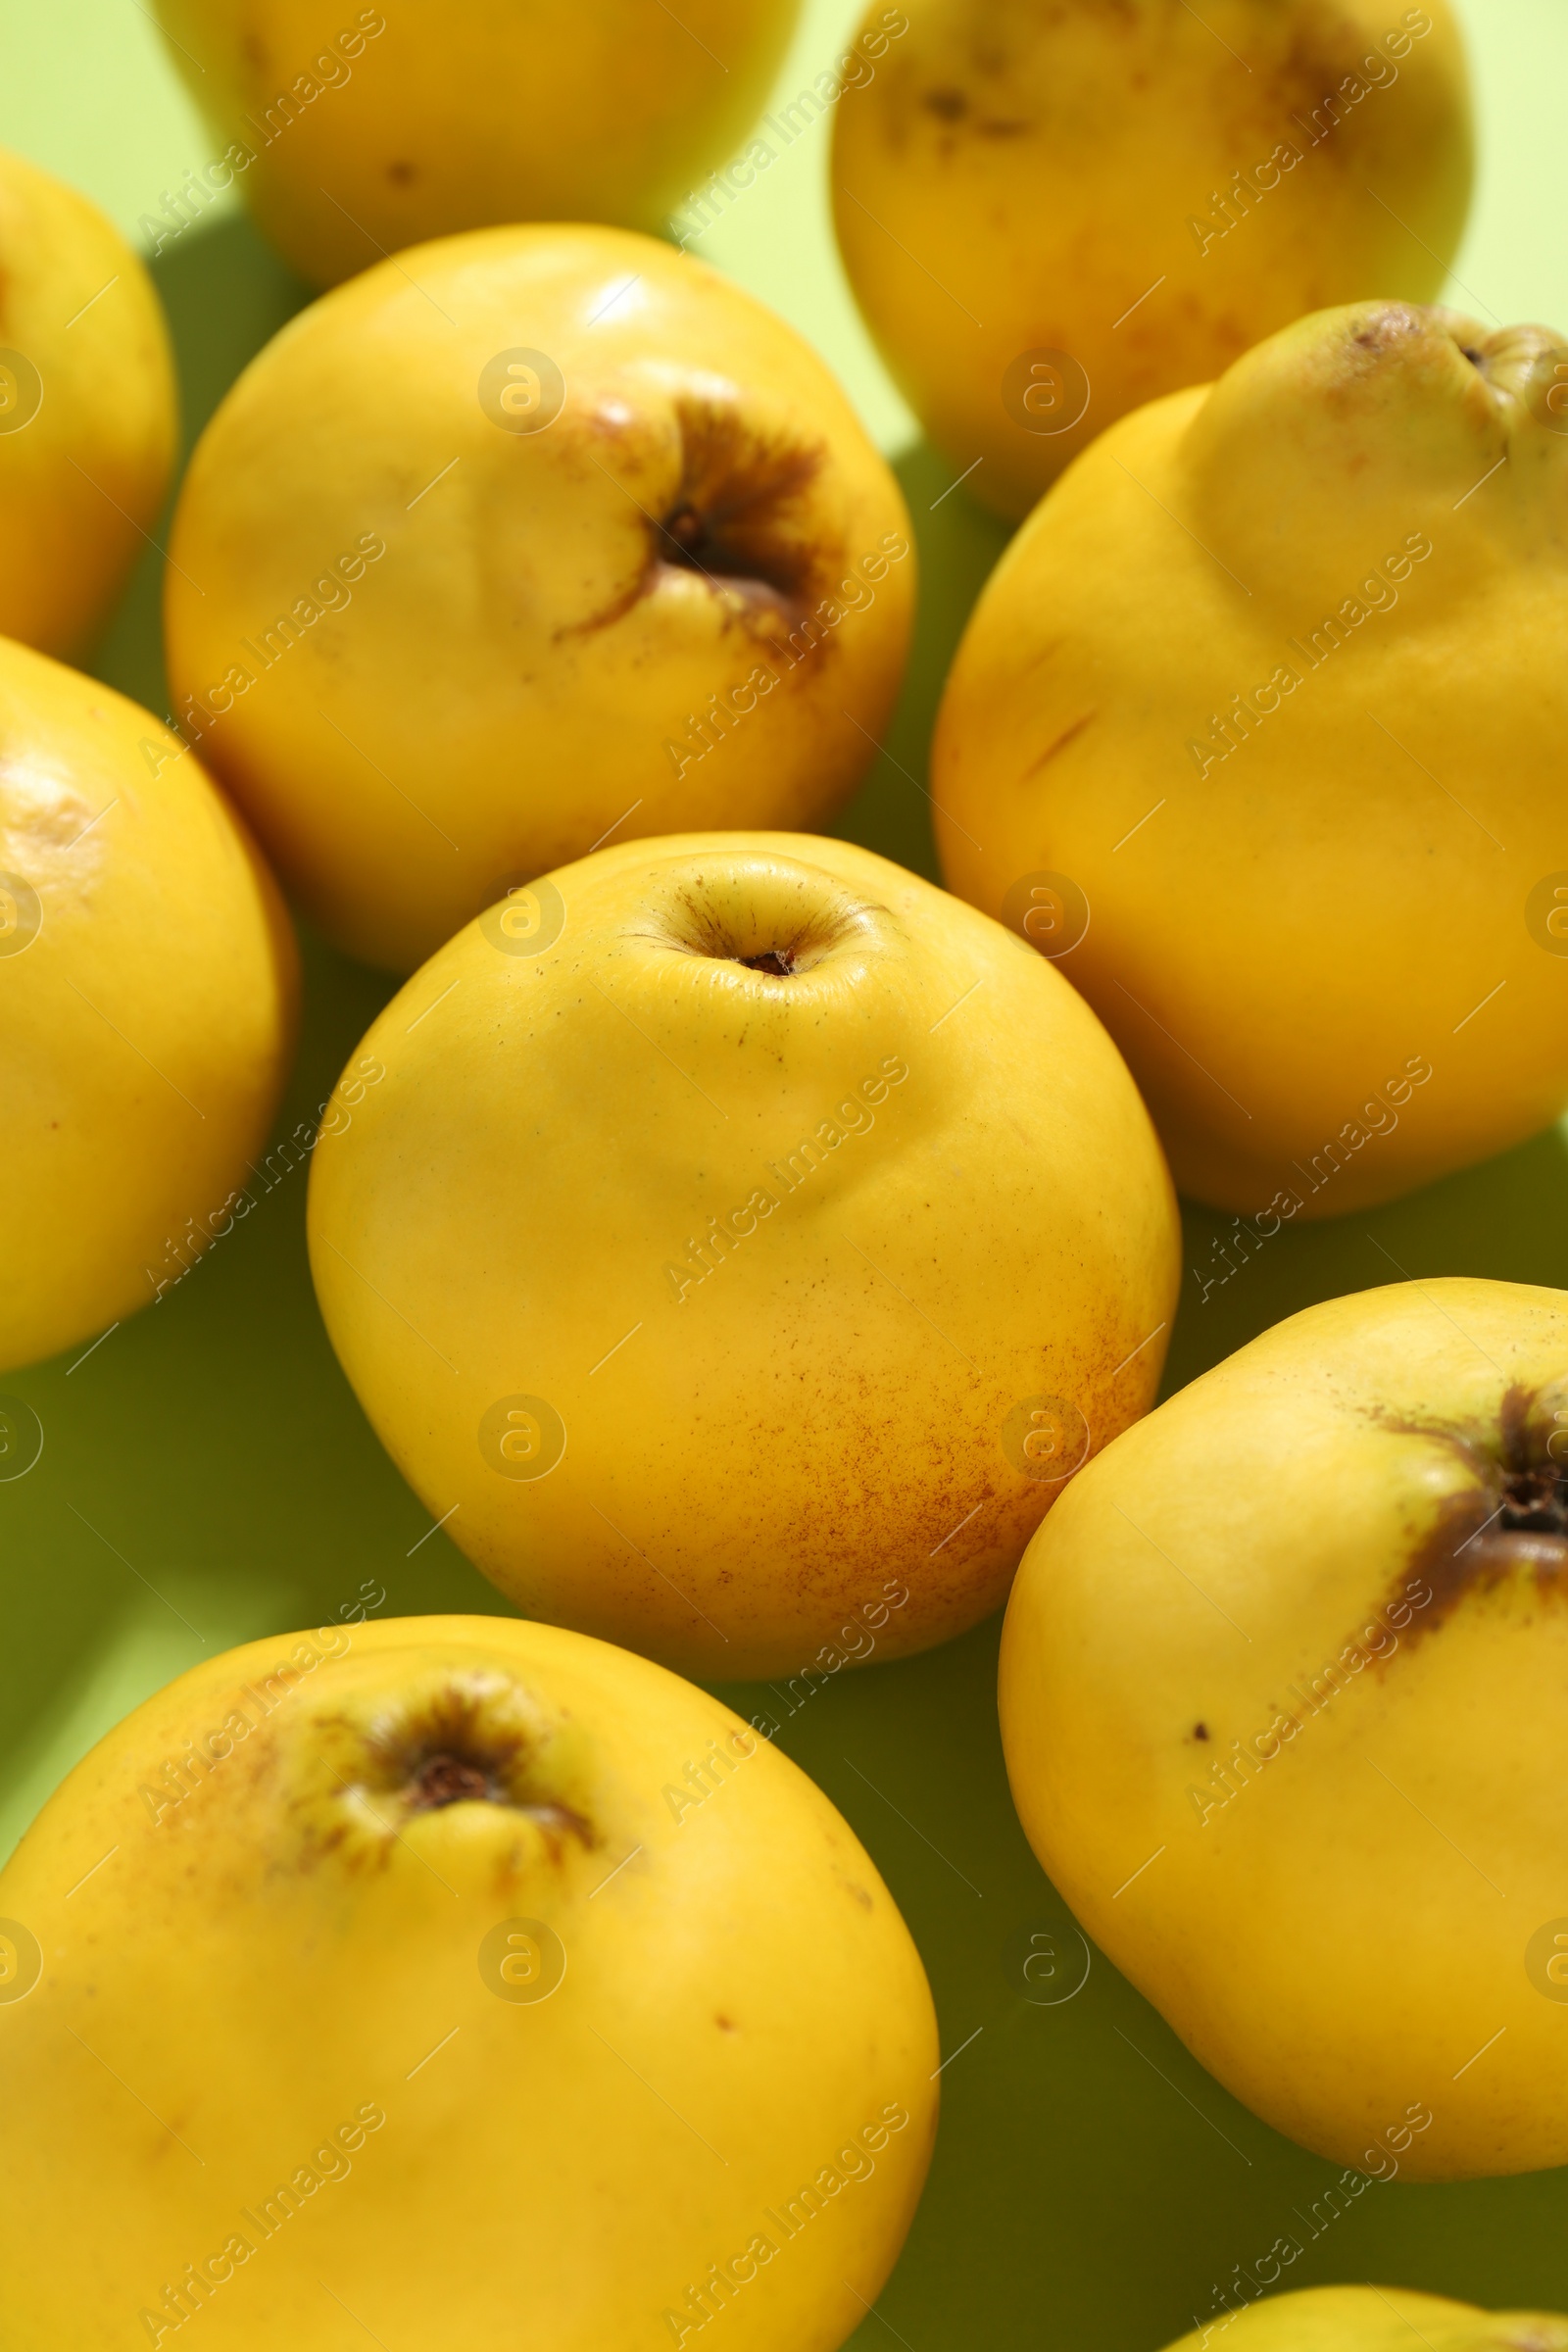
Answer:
[(207, 1476)]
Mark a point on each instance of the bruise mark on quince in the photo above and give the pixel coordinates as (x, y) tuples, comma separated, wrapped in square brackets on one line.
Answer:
[(1508, 1522), (1068, 735)]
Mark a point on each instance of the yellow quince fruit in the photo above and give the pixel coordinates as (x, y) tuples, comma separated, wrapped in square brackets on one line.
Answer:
[(148, 1005), (522, 541), (462, 1981), (1051, 215), (350, 140), (746, 1243), (1374, 2318), (88, 411), (1274, 677), (1284, 1689)]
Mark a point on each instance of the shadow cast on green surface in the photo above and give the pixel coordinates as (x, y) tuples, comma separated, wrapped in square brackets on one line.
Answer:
[(208, 1476), (1506, 1220), (958, 544), (1093, 2185), (225, 293)]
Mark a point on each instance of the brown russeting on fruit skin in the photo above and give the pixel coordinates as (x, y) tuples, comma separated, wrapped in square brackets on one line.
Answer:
[(1510, 1520), (775, 960)]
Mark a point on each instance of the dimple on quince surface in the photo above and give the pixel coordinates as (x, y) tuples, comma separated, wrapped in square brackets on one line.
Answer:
[(148, 1005), (426, 119), (968, 1213), (530, 664), (88, 417), (304, 1927), (1284, 919), (1063, 183), (1282, 1697)]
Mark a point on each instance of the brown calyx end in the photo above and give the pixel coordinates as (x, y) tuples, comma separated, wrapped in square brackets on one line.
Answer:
[(743, 517), (447, 1780), (777, 920), (1509, 1519), (1535, 1503), (1525, 364), (1510, 367), (779, 961), (472, 1739)]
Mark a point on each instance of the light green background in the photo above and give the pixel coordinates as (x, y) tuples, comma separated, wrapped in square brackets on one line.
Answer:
[(207, 1476)]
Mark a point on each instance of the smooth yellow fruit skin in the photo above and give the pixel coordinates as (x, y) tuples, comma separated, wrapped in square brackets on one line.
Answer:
[(88, 420), (1022, 185), (1342, 1938), (148, 1006), (528, 667), (291, 1941), (1376, 2319), (1321, 949), (367, 130), (803, 1452)]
